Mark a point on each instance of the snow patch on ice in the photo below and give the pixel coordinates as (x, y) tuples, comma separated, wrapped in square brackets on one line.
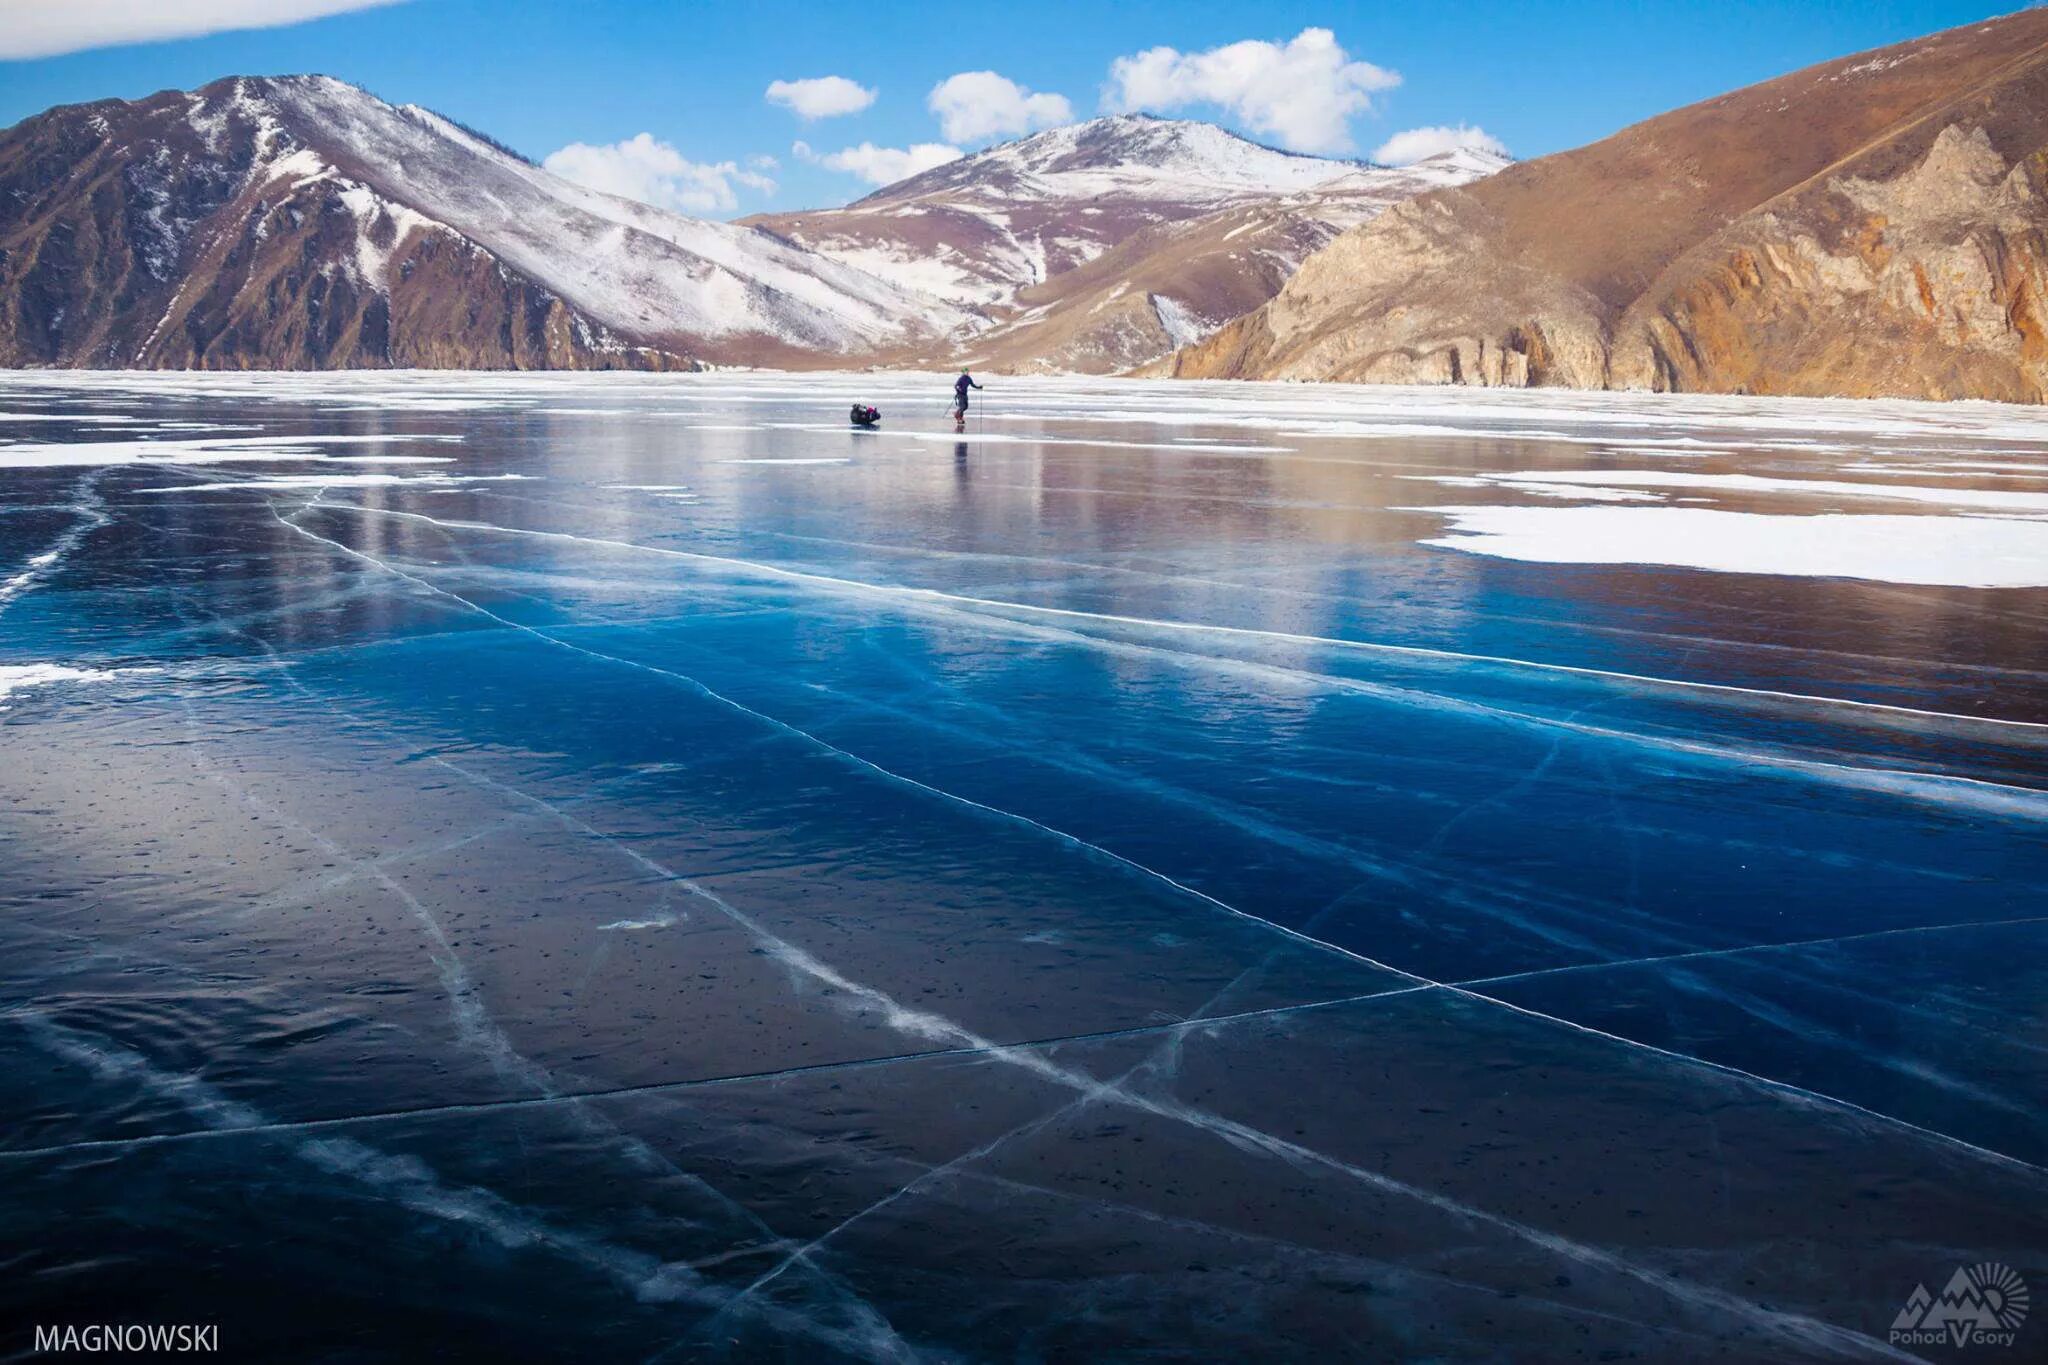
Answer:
[(198, 450), (1576, 492), (1966, 552), (31, 570), (20, 677), (1992, 499), (335, 481)]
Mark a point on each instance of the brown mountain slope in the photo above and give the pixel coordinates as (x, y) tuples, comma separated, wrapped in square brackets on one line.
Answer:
[(300, 222), (1869, 226), (139, 235), (1102, 245)]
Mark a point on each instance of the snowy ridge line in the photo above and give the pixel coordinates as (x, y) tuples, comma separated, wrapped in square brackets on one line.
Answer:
[(923, 1024), (644, 272), (467, 1108), (1942, 790), (484, 1035), (410, 1183), (1412, 651)]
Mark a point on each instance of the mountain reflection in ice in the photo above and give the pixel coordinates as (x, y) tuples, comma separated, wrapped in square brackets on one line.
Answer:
[(629, 867)]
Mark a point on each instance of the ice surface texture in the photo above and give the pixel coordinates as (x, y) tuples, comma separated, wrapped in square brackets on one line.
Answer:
[(670, 876)]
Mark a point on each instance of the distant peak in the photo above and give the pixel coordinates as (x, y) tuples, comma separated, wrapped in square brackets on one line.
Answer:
[(1132, 153)]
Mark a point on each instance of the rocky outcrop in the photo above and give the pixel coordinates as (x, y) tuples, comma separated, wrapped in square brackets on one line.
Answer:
[(1873, 226), (1929, 284)]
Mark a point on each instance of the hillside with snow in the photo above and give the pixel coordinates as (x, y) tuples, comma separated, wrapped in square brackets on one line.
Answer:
[(302, 222), (1107, 244)]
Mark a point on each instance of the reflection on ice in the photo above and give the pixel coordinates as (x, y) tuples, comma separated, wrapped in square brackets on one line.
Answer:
[(1025, 889)]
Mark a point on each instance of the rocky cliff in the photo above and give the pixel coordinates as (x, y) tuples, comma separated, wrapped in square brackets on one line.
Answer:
[(1870, 226)]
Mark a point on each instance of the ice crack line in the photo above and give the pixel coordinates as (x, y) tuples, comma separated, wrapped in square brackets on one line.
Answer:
[(559, 1099), (482, 1034), (86, 502), (897, 1016), (937, 1028), (412, 1184), (1365, 646), (1069, 840), (1663, 638), (1943, 791)]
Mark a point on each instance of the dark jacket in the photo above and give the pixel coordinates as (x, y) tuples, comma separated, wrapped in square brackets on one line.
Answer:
[(960, 387)]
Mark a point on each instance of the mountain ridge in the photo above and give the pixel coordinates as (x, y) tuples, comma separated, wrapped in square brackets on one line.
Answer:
[(1203, 224), (1777, 254), (300, 222)]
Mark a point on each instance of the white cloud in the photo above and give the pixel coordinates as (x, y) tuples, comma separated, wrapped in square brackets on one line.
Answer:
[(881, 165), (980, 104), (43, 28), (656, 173), (1302, 93), (821, 96), (1405, 149)]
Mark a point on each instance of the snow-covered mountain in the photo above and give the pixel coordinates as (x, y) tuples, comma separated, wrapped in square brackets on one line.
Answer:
[(300, 221), (1105, 244), (977, 230), (1123, 156)]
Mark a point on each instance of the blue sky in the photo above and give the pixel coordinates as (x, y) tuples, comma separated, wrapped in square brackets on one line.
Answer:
[(692, 76)]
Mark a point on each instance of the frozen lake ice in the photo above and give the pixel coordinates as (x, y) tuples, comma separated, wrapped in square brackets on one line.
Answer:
[(630, 867)]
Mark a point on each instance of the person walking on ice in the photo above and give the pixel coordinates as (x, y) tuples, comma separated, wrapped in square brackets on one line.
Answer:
[(960, 388)]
